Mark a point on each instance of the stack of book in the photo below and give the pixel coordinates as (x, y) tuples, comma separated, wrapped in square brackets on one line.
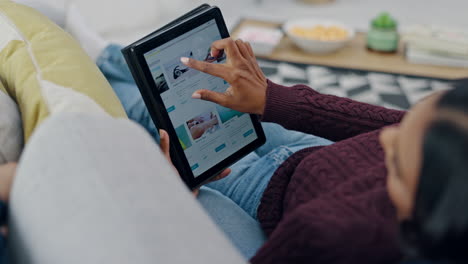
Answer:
[(436, 45)]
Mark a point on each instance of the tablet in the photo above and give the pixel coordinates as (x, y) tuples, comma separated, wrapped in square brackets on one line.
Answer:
[(205, 137)]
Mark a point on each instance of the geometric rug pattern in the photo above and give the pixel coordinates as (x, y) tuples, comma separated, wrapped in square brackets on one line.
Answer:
[(394, 91)]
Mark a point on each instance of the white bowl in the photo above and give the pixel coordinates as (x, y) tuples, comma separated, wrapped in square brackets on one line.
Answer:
[(313, 45)]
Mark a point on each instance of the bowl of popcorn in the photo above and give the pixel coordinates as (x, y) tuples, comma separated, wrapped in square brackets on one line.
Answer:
[(317, 36)]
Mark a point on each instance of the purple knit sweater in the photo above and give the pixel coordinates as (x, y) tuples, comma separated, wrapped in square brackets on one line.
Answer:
[(329, 204)]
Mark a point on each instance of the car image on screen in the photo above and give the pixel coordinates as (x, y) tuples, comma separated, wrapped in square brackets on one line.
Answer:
[(177, 72)]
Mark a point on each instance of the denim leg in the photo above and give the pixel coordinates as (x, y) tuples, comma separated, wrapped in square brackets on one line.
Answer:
[(112, 64), (243, 231), (276, 136), (250, 176)]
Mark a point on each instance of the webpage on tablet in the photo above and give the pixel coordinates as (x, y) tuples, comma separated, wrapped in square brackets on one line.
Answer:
[(207, 132)]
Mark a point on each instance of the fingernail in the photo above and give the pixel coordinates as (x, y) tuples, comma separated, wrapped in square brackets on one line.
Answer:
[(196, 95), (211, 54), (184, 60)]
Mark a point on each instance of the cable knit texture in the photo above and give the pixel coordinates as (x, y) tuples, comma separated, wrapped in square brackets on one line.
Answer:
[(329, 204)]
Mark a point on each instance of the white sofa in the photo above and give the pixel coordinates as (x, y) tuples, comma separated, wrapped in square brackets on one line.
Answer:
[(120, 21)]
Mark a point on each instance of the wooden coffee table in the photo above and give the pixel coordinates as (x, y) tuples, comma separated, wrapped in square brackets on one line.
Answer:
[(354, 56)]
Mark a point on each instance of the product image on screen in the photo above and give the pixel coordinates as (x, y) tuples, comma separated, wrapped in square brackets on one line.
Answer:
[(208, 133)]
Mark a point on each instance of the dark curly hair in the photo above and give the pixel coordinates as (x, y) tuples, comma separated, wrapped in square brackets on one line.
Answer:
[(438, 229)]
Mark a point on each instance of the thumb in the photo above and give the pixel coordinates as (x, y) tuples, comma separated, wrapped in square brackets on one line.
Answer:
[(215, 97)]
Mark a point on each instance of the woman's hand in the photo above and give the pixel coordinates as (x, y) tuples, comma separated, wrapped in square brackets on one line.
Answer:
[(165, 146), (248, 83)]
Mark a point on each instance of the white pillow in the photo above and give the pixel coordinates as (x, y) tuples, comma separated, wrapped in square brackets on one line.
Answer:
[(11, 131)]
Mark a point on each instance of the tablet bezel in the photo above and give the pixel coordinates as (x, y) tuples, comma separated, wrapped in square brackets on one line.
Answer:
[(159, 113)]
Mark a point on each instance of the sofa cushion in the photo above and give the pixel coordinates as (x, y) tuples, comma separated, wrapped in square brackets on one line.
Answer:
[(11, 134), (46, 71)]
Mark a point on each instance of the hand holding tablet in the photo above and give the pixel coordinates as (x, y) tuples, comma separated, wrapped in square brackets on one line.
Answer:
[(165, 148), (247, 92), (205, 137)]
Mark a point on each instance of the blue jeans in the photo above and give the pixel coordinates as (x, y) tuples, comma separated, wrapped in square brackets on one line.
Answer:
[(233, 201), (251, 175), (112, 64)]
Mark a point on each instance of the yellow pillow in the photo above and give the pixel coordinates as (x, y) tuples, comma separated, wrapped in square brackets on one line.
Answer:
[(46, 71)]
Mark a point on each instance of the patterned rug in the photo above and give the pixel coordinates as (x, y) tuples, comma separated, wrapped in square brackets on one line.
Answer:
[(385, 89)]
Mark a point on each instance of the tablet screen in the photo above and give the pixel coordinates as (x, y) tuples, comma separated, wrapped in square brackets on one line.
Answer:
[(207, 132)]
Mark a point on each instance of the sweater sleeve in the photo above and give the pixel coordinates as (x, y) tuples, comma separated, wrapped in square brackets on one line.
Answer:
[(303, 109)]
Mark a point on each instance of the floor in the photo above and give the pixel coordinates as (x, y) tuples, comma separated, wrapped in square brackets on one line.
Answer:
[(389, 90)]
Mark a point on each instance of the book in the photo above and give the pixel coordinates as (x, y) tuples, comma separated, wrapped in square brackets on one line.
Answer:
[(437, 39), (421, 56)]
